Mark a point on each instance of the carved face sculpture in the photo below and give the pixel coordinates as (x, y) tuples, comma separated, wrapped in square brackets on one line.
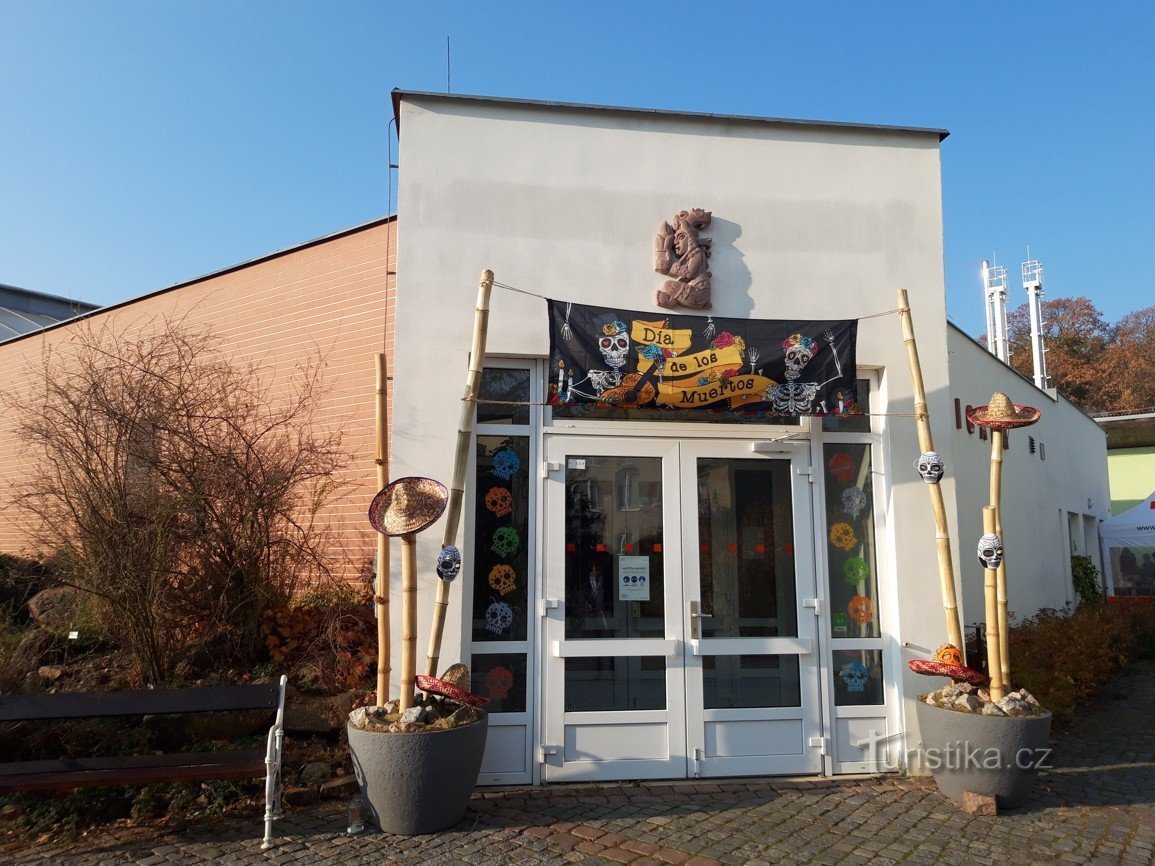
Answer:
[(449, 563), (505, 541), (505, 464), (498, 617), (853, 501), (502, 579), (855, 676), (930, 467), (499, 501), (614, 344), (990, 551)]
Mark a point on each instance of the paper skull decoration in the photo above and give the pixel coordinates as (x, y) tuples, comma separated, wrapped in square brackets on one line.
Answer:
[(861, 609), (990, 551), (929, 466), (505, 541), (499, 501), (506, 463), (855, 676), (842, 535), (842, 467), (502, 579), (498, 682), (449, 563), (948, 654), (853, 501), (498, 617), (855, 570)]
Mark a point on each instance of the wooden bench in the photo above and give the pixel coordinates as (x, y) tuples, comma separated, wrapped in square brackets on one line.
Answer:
[(67, 773)]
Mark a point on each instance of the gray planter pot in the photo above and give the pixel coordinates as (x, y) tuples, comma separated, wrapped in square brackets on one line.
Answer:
[(993, 755), (418, 783)]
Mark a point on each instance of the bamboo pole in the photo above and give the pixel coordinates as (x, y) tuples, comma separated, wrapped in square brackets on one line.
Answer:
[(408, 618), (384, 651), (926, 443), (990, 595), (461, 461), (996, 496)]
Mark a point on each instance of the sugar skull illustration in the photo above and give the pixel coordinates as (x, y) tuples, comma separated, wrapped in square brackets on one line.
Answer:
[(853, 501), (614, 344), (799, 351), (502, 579), (990, 551), (499, 501), (842, 536), (930, 467), (855, 676), (861, 609), (505, 542), (498, 682), (498, 617), (506, 463), (449, 563), (855, 570), (842, 467)]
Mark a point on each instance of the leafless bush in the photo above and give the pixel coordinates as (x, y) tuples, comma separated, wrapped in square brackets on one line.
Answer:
[(179, 487)]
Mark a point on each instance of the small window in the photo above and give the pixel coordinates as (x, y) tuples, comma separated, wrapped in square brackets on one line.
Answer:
[(510, 389)]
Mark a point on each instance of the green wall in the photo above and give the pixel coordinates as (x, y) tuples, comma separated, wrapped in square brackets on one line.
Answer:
[(1132, 475)]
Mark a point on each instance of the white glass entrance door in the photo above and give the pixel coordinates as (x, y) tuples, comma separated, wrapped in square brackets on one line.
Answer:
[(675, 640)]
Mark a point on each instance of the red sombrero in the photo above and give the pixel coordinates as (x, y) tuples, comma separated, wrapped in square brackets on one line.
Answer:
[(1002, 414), (947, 662), (450, 691)]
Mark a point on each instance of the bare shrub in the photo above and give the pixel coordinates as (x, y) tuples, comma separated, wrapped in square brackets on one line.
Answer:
[(177, 486)]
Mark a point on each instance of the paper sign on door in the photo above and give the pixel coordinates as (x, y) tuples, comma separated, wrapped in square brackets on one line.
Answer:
[(634, 578)]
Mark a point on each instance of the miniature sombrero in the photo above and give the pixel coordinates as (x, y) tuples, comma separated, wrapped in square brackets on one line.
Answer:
[(1002, 414), (947, 662), (408, 505), (450, 691)]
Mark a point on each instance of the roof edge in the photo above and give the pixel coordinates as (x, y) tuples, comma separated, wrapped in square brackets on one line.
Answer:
[(399, 94)]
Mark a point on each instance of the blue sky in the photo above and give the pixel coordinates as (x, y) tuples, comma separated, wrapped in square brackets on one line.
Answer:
[(147, 142)]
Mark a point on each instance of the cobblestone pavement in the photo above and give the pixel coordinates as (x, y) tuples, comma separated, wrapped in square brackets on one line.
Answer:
[(1097, 806)]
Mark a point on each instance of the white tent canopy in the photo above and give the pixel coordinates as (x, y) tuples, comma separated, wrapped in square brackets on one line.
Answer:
[(1129, 550)]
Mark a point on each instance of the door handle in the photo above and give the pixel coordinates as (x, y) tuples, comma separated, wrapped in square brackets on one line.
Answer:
[(695, 615)]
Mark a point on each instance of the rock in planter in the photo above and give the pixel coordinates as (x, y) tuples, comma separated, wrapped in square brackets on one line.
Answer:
[(415, 783), (995, 756)]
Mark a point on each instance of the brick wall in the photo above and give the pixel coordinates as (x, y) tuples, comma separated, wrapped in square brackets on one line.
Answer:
[(329, 302)]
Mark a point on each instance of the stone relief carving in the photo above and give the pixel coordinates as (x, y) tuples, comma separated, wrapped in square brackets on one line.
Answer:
[(681, 254)]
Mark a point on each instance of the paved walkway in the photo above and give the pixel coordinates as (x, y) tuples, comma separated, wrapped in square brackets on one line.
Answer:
[(1097, 806)]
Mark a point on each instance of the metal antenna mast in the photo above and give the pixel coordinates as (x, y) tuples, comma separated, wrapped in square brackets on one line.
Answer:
[(995, 289), (1033, 283)]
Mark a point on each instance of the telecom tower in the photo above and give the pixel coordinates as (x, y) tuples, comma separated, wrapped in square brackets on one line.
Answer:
[(995, 287), (1033, 283)]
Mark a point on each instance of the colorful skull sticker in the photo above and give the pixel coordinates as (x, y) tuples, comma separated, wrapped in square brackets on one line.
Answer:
[(861, 609), (842, 536), (990, 551), (505, 542), (502, 579), (506, 463), (842, 467), (449, 563), (855, 676), (498, 682), (949, 654), (929, 466), (498, 617), (855, 570), (499, 501), (853, 501)]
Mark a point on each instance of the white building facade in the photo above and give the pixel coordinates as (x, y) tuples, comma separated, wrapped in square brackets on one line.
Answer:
[(767, 638)]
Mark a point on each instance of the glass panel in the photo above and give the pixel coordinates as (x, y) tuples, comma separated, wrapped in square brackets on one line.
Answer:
[(501, 530), (612, 683), (746, 548), (850, 543), (858, 678), (501, 384), (501, 678), (614, 581), (751, 681), (852, 423)]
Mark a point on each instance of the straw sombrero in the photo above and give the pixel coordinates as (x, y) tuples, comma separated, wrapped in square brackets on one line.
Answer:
[(947, 662), (408, 505), (1002, 414), (449, 691)]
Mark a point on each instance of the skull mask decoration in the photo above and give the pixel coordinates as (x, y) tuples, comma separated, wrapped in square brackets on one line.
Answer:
[(502, 579), (930, 467), (505, 541), (505, 464), (614, 344), (853, 501), (498, 682), (449, 563), (799, 351), (498, 617), (990, 551), (499, 501), (855, 676)]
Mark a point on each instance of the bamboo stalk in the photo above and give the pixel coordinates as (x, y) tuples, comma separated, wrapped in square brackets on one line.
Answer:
[(996, 496), (461, 461), (384, 651), (994, 636), (408, 618), (926, 443)]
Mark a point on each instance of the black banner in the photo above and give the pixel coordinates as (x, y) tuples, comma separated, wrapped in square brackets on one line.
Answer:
[(626, 359)]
